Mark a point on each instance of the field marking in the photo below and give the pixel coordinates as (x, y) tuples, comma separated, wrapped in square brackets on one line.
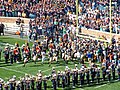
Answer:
[(100, 86), (19, 65), (81, 89), (51, 68), (12, 70)]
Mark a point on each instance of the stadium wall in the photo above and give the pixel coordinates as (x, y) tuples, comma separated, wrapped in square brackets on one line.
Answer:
[(99, 34)]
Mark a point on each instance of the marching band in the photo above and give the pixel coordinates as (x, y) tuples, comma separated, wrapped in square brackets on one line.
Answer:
[(61, 79)]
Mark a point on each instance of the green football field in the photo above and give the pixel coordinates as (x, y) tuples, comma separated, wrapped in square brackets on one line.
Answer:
[(8, 70)]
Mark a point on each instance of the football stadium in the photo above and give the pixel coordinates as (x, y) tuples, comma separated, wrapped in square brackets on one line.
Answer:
[(59, 44)]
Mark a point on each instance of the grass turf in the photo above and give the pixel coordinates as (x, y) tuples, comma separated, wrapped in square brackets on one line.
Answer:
[(7, 70)]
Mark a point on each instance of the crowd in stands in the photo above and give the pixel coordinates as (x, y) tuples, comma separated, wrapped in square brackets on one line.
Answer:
[(52, 17), (96, 15)]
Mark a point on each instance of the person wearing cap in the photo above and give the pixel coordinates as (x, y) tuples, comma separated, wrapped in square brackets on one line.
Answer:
[(50, 54), (38, 51), (32, 83), (113, 69), (11, 55), (98, 74), (87, 73), (17, 85), (63, 80), (68, 76), (54, 82), (6, 54), (39, 83), (16, 54), (19, 52), (82, 75), (76, 74), (6, 86), (108, 73), (12, 84), (73, 78), (45, 82), (103, 72), (35, 34), (34, 54), (92, 71), (118, 71), (58, 78), (22, 83), (55, 55), (27, 83), (43, 53)]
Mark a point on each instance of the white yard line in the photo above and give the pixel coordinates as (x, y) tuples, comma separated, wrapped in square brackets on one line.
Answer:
[(51, 68), (100, 86), (12, 70), (81, 89), (20, 65)]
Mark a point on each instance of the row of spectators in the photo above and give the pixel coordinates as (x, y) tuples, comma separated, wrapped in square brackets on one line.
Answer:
[(51, 17), (95, 14)]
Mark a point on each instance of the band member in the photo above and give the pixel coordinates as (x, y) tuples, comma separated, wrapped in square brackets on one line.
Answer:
[(38, 51), (73, 78), (32, 82), (54, 82), (103, 72), (6, 54), (55, 55), (29, 51), (11, 55), (19, 52), (113, 69), (78, 55), (53, 71), (1, 84), (6, 86), (98, 74), (82, 75), (118, 71), (45, 82), (63, 80), (26, 55), (76, 74), (27, 83), (12, 83), (43, 56), (16, 54), (92, 70), (58, 78), (50, 54), (87, 73), (108, 73), (34, 54), (22, 83), (68, 75), (18, 85), (39, 80), (66, 57)]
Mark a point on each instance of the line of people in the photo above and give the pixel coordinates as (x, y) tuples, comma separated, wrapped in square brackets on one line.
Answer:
[(61, 79), (79, 50)]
